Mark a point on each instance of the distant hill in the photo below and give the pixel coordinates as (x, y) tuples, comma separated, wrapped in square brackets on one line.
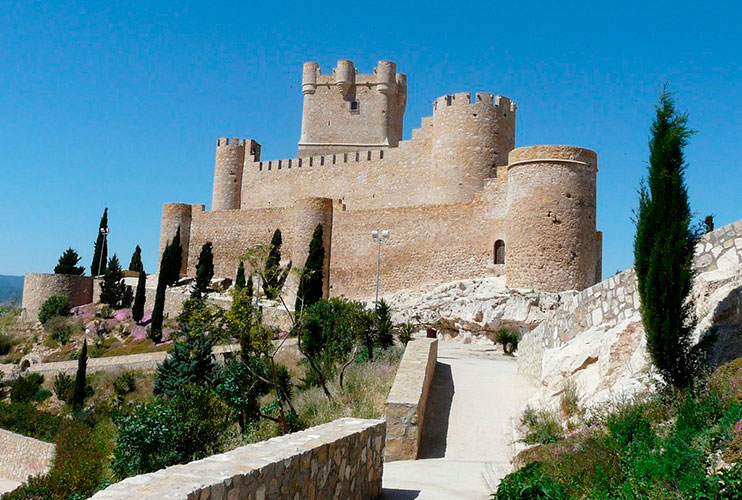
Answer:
[(11, 288)]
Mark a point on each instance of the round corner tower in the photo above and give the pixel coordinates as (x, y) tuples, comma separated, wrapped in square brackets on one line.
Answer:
[(176, 216), (470, 139), (551, 227), (230, 160), (308, 213)]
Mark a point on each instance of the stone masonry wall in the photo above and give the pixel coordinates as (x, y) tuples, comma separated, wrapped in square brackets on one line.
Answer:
[(22, 456), (38, 287), (342, 460), (616, 299), (407, 400)]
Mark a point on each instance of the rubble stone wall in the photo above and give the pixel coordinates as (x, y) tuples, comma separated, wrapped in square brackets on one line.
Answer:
[(405, 405), (38, 287), (341, 459)]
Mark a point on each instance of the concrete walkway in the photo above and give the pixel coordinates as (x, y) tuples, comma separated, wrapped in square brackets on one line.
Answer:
[(8, 485), (467, 441)]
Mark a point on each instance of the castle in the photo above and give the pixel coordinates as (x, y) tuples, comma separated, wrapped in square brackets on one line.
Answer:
[(458, 199)]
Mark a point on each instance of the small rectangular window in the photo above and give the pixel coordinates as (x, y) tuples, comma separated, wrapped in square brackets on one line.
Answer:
[(354, 106)]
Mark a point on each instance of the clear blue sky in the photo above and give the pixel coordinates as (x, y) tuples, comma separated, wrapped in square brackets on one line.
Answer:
[(119, 104)]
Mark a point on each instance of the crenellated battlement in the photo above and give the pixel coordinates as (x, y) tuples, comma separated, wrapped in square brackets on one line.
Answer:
[(319, 160), (503, 104), (235, 142)]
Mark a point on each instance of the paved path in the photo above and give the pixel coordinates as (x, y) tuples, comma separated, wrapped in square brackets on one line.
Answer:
[(467, 439), (7, 485)]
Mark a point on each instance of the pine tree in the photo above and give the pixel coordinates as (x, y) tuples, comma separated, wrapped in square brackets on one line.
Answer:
[(78, 397), (190, 362), (67, 264), (239, 281), (204, 271), (136, 260), (113, 288), (311, 281), (273, 267), (100, 253), (664, 246), (137, 310)]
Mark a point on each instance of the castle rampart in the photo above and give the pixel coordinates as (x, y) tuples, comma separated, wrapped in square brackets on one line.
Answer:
[(178, 216), (459, 201), (38, 287)]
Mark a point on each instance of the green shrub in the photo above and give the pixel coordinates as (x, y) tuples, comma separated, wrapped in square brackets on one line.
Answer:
[(190, 425), (63, 386), (543, 426), (61, 329), (23, 418), (124, 384), (55, 305), (529, 483), (42, 394), (24, 388), (405, 332), (726, 382), (508, 340)]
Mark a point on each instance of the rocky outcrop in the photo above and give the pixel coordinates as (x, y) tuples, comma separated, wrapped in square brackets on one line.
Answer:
[(596, 340), (473, 310)]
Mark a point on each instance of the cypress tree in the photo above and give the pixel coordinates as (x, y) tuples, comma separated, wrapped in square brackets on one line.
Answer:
[(100, 252), (311, 280), (113, 288), (78, 397), (249, 286), (664, 246), (190, 362), (155, 325), (137, 310), (272, 266), (204, 271), (239, 282), (171, 265), (67, 264), (136, 260)]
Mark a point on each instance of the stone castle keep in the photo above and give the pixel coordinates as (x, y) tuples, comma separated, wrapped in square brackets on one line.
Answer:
[(459, 200)]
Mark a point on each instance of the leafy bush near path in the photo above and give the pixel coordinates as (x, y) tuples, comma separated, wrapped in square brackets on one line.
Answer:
[(23, 418), (55, 305), (660, 447)]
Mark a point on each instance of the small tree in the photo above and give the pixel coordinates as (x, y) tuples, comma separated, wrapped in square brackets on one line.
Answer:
[(174, 261), (239, 281), (383, 326), (136, 260), (311, 281), (100, 252), (708, 223), (137, 310), (249, 286), (204, 271), (78, 397), (664, 247), (54, 306), (158, 310), (275, 275), (113, 288), (190, 362), (67, 264)]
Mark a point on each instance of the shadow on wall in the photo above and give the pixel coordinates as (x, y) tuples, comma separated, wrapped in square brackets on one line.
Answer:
[(433, 440), (723, 340), (388, 494)]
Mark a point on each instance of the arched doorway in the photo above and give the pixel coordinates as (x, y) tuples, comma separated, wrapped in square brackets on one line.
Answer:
[(499, 252)]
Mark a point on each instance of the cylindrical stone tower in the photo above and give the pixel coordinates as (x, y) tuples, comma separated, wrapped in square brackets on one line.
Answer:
[(345, 75), (174, 216), (469, 141), (230, 160), (309, 212), (551, 235)]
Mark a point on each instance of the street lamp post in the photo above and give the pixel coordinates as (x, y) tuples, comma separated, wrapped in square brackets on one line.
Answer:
[(380, 237)]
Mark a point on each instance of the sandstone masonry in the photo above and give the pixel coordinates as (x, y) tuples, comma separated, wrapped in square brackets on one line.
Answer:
[(459, 200), (21, 456)]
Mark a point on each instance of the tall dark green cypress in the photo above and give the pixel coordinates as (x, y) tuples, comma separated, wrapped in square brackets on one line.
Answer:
[(137, 310), (174, 261), (239, 281), (249, 286), (78, 397), (204, 271), (100, 252), (158, 309), (272, 266), (311, 281), (136, 260), (664, 246)]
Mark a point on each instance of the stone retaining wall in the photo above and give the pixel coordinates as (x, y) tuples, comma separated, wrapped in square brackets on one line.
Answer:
[(147, 361), (38, 287), (339, 460), (616, 299), (405, 405), (22, 456)]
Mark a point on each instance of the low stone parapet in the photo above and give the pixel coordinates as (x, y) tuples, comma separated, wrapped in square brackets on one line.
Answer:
[(405, 405), (22, 456), (339, 460)]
